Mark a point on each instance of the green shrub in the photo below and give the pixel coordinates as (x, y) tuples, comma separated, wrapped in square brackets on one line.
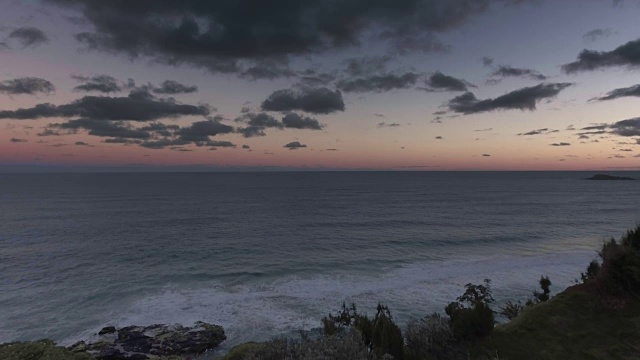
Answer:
[(511, 310), (38, 350), (592, 271), (545, 285), (619, 272), (471, 318), (431, 338), (380, 334)]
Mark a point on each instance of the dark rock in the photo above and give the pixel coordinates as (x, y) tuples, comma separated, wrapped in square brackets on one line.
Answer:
[(107, 330), (110, 354), (141, 342), (608, 177)]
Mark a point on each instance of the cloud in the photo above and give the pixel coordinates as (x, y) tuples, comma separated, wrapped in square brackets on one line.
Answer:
[(504, 71), (222, 37), (246, 147), (522, 99), (629, 127), (312, 100), (266, 69), (596, 34), (99, 83), (384, 124), (622, 92), (15, 140), (258, 123), (121, 141), (200, 131), (171, 87), (81, 143), (29, 36), (487, 61), (486, 155), (295, 121), (103, 128), (26, 85), (561, 144), (538, 132), (589, 60), (439, 138), (138, 106), (367, 65), (379, 83), (294, 145), (441, 82)]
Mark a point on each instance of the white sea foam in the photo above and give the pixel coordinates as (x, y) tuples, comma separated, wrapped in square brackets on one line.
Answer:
[(290, 303)]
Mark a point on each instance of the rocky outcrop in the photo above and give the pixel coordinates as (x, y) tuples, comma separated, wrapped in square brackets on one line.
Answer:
[(151, 342)]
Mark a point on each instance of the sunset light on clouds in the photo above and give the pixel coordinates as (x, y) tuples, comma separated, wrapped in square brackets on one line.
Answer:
[(402, 85)]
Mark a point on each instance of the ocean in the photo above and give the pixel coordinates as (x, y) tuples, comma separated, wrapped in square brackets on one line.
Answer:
[(266, 254)]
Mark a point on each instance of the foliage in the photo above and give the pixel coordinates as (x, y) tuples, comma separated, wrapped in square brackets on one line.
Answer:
[(511, 310), (38, 350), (345, 346), (471, 318), (380, 334), (545, 285), (619, 272), (431, 338), (592, 271)]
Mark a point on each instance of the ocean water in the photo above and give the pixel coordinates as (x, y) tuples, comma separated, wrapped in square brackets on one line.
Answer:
[(264, 254)]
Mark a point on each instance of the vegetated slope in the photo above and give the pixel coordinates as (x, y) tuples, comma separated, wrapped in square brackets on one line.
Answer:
[(573, 325)]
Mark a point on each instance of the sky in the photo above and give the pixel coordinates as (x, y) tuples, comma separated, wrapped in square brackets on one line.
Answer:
[(321, 84)]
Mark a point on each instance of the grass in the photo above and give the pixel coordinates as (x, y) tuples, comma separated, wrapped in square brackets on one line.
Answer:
[(38, 350), (573, 325)]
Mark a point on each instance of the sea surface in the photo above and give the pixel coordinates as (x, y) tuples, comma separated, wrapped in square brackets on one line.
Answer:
[(265, 254)]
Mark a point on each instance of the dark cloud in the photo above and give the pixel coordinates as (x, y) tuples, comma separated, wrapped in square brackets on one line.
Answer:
[(246, 147), (441, 82), (223, 36), (295, 145), (538, 132), (295, 121), (379, 83), (313, 78), (561, 144), (100, 83), (522, 99), (384, 124), (412, 43), (200, 131), (122, 141), (81, 143), (258, 123), (629, 127), (15, 140), (439, 138), (163, 143), (596, 34), (29, 36), (482, 130), (367, 65), (103, 128), (219, 143), (622, 92), (588, 60), (267, 70), (171, 87), (487, 61), (486, 155), (138, 106), (504, 71), (26, 85), (312, 100)]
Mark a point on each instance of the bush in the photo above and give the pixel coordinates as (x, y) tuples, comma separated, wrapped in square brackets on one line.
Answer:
[(619, 273), (380, 334), (346, 346), (471, 318), (38, 350), (431, 338), (592, 271), (512, 310), (545, 285)]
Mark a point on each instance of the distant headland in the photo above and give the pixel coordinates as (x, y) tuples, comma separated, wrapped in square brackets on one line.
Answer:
[(609, 177)]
